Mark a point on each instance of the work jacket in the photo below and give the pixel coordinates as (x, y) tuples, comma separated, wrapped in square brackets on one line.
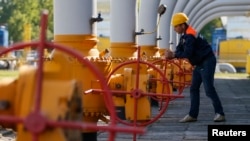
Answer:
[(195, 49)]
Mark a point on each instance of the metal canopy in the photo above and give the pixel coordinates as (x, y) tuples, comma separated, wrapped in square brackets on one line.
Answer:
[(200, 12)]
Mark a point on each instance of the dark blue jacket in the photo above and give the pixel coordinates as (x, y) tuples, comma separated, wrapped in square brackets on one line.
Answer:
[(195, 49)]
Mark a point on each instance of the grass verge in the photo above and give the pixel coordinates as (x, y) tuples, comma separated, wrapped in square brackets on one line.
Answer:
[(8, 73), (232, 75)]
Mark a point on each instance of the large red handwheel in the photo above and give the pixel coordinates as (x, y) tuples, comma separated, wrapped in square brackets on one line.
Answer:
[(178, 71)]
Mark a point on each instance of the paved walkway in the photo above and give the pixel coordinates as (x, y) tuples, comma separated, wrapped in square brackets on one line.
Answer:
[(235, 97)]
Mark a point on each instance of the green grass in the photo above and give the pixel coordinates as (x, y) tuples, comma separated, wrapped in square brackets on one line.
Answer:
[(8, 74), (232, 75)]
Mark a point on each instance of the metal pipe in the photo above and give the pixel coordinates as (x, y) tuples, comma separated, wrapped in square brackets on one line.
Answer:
[(220, 9), (214, 4), (164, 27), (219, 14)]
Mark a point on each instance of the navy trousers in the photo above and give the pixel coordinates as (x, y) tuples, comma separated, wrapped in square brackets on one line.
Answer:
[(204, 73)]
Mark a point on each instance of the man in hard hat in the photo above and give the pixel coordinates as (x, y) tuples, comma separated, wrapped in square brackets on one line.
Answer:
[(200, 55)]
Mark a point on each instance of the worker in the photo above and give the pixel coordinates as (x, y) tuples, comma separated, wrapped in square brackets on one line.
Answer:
[(199, 53)]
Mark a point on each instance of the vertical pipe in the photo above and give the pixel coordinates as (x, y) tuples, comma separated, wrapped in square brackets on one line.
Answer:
[(147, 21), (165, 24), (122, 28), (72, 27)]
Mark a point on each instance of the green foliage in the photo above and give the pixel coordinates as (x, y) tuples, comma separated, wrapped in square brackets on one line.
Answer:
[(207, 30), (17, 13)]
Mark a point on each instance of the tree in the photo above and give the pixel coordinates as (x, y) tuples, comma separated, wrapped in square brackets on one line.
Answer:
[(18, 13), (207, 30), (5, 11)]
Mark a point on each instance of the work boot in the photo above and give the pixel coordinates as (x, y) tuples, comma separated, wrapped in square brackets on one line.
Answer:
[(188, 118), (219, 118)]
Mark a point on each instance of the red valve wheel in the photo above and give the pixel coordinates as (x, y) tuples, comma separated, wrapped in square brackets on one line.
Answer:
[(178, 77)]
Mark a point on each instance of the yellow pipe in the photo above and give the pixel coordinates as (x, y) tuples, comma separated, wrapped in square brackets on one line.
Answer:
[(86, 44), (123, 50), (150, 50)]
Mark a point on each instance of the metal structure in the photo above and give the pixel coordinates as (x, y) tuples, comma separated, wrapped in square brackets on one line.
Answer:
[(87, 85), (34, 121), (200, 12)]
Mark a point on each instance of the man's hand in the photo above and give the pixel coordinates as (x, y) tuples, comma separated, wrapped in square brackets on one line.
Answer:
[(169, 54)]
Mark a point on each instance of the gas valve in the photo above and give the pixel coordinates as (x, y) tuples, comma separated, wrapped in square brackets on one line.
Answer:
[(17, 100)]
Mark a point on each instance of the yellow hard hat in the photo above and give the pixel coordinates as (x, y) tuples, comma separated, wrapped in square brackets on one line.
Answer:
[(179, 18)]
